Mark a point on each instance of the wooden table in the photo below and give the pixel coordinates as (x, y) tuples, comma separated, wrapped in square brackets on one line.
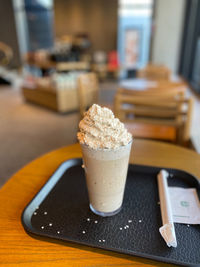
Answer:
[(141, 84), (138, 84), (19, 249)]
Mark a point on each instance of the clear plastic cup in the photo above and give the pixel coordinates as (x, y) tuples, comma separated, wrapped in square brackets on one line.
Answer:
[(106, 172)]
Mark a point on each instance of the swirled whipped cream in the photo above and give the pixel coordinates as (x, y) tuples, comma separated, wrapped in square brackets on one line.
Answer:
[(99, 129)]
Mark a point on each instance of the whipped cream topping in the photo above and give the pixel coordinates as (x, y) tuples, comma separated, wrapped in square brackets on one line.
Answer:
[(99, 129)]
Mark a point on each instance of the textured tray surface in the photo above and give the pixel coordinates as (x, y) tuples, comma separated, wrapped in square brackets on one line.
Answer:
[(60, 210)]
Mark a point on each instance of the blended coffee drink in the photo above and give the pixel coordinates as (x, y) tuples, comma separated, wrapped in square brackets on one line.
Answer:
[(106, 146)]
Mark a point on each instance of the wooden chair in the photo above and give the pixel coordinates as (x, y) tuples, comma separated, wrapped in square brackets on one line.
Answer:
[(88, 90), (154, 72), (161, 117), (168, 89)]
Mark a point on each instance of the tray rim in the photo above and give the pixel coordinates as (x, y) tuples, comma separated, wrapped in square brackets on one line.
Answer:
[(55, 176)]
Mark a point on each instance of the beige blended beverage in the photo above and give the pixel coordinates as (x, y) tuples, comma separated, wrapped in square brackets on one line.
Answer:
[(106, 146)]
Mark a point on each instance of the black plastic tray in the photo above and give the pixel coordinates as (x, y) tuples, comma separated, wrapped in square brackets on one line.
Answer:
[(61, 211)]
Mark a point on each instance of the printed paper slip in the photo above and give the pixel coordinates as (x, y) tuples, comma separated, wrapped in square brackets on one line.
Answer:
[(185, 205)]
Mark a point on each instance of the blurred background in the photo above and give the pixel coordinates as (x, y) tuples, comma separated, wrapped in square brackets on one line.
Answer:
[(132, 46)]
